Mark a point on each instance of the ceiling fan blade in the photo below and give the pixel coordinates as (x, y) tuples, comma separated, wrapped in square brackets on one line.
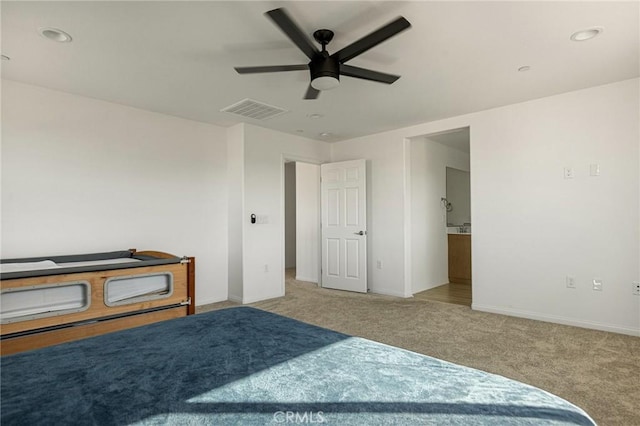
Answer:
[(293, 31), (366, 74), (311, 93), (271, 68), (367, 42)]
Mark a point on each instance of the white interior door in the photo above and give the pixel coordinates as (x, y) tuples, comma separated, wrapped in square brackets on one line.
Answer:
[(344, 225)]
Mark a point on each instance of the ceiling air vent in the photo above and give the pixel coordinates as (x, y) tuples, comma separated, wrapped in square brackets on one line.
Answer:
[(254, 109)]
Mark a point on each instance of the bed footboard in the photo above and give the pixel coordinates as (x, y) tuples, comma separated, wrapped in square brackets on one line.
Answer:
[(77, 299)]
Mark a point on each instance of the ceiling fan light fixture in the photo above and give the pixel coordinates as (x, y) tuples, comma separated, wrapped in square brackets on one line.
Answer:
[(325, 83), (325, 72)]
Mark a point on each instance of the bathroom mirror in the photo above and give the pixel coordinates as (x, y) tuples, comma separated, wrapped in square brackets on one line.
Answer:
[(458, 197)]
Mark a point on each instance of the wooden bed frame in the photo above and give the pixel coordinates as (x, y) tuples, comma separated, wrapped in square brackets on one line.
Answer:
[(99, 318)]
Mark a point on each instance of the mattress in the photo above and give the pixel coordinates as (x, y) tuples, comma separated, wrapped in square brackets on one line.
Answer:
[(68, 264)]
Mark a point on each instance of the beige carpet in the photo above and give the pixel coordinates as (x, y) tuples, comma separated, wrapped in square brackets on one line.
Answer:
[(598, 371)]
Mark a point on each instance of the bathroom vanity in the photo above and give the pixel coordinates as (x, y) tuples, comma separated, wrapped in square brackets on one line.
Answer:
[(460, 258)]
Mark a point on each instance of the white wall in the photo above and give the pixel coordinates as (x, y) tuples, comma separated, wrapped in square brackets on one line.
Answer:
[(307, 221), (265, 153), (531, 227), (235, 178), (429, 249), (290, 215), (81, 175)]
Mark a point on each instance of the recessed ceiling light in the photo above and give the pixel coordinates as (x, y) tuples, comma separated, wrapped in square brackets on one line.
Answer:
[(315, 116), (325, 134), (587, 34), (524, 68), (55, 34), (5, 58)]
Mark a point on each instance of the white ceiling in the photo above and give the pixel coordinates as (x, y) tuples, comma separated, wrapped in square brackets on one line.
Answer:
[(177, 58)]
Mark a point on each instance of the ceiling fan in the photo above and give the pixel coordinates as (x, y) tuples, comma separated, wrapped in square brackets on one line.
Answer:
[(326, 69)]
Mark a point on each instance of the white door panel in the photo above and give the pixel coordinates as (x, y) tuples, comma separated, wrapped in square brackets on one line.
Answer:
[(344, 225)]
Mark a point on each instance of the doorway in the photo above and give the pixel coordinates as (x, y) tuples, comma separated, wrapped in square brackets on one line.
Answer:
[(301, 222), (438, 244), (324, 211)]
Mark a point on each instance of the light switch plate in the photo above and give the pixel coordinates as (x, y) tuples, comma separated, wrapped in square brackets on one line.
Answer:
[(594, 169), (597, 284)]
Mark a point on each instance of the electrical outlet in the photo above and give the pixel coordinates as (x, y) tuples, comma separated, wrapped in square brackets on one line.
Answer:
[(568, 173), (571, 281), (266, 267), (636, 288), (379, 264), (597, 284)]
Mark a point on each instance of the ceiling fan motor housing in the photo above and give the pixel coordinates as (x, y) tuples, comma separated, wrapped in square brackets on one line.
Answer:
[(324, 65)]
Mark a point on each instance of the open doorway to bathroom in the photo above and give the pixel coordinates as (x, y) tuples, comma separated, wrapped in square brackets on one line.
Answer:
[(441, 217)]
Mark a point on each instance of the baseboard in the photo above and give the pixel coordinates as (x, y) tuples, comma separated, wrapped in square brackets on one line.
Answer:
[(420, 290), (387, 292), (235, 299), (203, 302), (555, 319), (260, 299), (306, 279)]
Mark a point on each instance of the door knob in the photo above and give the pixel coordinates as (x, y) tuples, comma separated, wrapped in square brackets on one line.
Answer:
[(360, 233)]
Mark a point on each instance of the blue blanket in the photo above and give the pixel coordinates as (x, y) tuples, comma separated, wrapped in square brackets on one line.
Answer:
[(246, 366)]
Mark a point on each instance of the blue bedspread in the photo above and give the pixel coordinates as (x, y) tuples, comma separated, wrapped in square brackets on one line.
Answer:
[(246, 366)]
